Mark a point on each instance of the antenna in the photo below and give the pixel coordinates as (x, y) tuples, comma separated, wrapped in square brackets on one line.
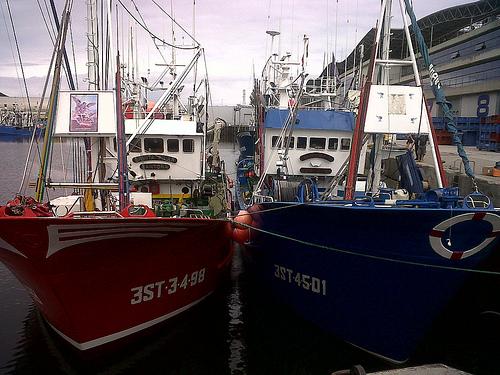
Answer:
[(194, 21)]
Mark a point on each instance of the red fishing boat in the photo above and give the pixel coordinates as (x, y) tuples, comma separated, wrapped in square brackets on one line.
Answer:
[(137, 243), (97, 280)]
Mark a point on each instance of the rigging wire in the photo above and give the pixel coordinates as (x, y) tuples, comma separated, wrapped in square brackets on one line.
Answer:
[(92, 36), (180, 26), (45, 21), (66, 67), (34, 139), (73, 52), (207, 83), (11, 49), (142, 19), (54, 33), (20, 59), (155, 36), (355, 45)]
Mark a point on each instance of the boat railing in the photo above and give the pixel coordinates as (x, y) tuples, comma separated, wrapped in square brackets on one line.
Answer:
[(194, 213), (94, 214), (262, 198), (461, 165)]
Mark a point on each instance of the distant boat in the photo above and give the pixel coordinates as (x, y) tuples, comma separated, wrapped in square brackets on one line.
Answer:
[(8, 132), (141, 240), (373, 265)]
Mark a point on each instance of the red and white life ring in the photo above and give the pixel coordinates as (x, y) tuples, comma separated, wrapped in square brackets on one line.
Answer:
[(438, 231)]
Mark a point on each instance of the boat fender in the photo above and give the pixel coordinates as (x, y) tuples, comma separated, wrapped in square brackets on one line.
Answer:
[(241, 233), (438, 231), (243, 217)]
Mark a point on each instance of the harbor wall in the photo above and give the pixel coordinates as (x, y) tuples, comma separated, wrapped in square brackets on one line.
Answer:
[(488, 186)]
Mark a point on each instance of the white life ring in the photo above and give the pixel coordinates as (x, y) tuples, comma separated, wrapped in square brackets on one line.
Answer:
[(438, 231)]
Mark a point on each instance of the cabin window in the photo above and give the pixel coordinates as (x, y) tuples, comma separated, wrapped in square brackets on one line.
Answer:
[(135, 145), (333, 144), (345, 144), (153, 145), (274, 141), (188, 145), (301, 142), (292, 142), (317, 143), (172, 145)]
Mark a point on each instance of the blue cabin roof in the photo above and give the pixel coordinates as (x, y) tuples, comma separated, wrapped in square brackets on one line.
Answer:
[(312, 119)]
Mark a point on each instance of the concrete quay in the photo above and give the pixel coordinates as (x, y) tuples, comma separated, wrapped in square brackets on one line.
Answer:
[(454, 169)]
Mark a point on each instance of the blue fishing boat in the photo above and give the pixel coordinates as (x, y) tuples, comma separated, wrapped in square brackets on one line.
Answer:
[(372, 265), (14, 133)]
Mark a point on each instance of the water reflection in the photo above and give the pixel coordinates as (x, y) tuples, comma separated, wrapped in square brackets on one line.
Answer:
[(194, 343), (236, 326)]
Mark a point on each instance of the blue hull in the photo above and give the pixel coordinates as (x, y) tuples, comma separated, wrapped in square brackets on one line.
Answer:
[(357, 271), (11, 133)]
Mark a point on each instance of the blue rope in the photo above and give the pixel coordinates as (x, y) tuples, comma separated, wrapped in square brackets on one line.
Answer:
[(439, 92), (301, 191)]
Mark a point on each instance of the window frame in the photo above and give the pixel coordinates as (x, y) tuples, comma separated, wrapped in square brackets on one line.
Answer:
[(135, 142), (154, 152), (311, 139), (336, 144), (305, 144), (192, 145), (342, 144), (178, 145)]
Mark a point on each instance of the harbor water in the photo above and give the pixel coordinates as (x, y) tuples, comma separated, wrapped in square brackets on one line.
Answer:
[(240, 330)]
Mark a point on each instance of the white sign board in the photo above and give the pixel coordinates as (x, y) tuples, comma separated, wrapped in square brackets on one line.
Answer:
[(396, 110), (85, 114)]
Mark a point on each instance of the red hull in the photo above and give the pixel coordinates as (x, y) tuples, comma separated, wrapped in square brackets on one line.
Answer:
[(99, 280)]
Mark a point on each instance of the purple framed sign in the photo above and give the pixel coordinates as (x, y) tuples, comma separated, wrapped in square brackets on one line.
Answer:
[(83, 113)]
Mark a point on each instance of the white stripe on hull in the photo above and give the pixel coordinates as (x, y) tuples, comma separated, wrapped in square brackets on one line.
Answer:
[(7, 246), (60, 234), (83, 233), (118, 335)]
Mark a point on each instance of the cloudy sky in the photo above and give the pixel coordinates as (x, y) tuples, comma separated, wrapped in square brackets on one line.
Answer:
[(231, 31)]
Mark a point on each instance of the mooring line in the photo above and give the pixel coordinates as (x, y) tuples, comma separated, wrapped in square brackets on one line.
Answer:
[(376, 257), (271, 209)]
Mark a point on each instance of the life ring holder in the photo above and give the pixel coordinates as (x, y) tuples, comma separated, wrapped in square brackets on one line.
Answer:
[(477, 200), (438, 231), (365, 201)]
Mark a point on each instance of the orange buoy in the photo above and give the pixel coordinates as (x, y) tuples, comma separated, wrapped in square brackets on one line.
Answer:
[(241, 235), (243, 217), (150, 106)]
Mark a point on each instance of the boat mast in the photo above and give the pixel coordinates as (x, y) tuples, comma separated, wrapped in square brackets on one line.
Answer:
[(358, 138), (120, 142), (54, 94), (376, 169), (92, 44), (439, 95), (71, 82)]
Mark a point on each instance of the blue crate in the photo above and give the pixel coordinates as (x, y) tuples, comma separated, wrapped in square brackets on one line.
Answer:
[(470, 137), (438, 126), (488, 146)]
